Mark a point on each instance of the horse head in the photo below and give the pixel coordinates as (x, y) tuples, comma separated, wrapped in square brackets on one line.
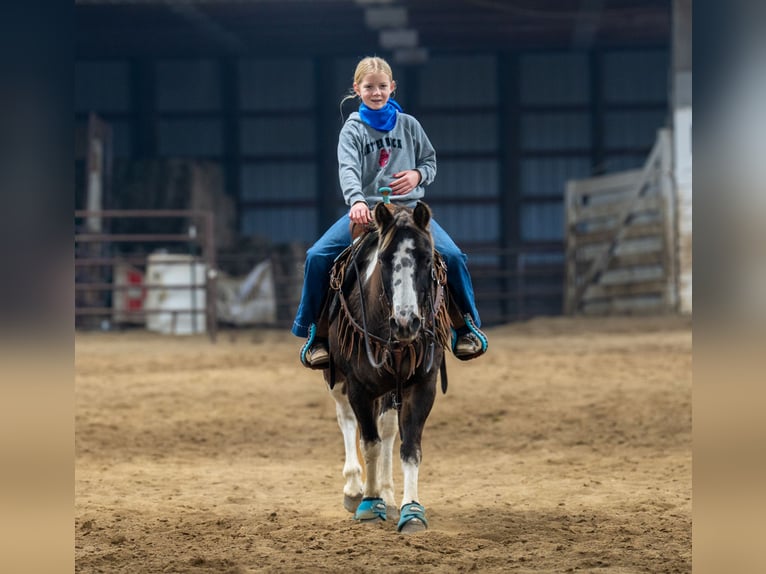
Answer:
[(405, 254)]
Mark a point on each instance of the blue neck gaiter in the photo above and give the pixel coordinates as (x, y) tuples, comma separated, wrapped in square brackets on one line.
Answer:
[(383, 119)]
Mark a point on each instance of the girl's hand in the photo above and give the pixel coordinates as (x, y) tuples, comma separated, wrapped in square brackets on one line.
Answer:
[(360, 213), (405, 181)]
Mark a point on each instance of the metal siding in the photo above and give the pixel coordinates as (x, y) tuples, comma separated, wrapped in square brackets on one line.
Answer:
[(276, 85), (461, 133), (465, 178), (617, 163), (561, 78), (121, 138), (193, 137), (552, 131), (280, 224), (544, 259), (278, 136), (458, 81), (632, 128), (101, 87), (548, 176), (188, 85), (468, 223), (633, 77), (542, 222), (278, 181), (344, 77)]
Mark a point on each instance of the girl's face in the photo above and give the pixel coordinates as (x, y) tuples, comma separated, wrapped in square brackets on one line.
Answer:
[(375, 89)]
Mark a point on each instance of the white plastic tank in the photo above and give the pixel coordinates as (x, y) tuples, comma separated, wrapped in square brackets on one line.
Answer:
[(182, 311)]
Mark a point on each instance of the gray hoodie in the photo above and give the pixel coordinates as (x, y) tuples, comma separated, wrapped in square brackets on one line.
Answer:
[(368, 159)]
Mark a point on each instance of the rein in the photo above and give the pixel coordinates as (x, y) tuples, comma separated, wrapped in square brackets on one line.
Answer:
[(386, 348), (415, 357), (373, 362)]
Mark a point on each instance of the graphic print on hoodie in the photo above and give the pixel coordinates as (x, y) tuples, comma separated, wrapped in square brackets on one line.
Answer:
[(383, 158)]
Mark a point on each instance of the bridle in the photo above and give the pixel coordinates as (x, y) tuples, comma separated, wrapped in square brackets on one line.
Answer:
[(434, 298), (391, 352)]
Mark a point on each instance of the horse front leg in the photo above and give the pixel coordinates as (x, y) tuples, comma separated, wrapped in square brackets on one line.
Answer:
[(372, 507), (388, 426), (352, 468), (415, 410)]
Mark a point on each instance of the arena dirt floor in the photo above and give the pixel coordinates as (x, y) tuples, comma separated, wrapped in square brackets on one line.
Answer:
[(566, 448)]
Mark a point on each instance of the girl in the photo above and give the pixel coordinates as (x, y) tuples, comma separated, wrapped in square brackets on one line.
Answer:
[(378, 146)]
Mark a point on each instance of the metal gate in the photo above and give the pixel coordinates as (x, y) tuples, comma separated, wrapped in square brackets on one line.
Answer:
[(98, 252), (620, 239)]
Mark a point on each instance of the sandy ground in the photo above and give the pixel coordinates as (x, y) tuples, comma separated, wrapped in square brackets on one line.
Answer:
[(566, 448)]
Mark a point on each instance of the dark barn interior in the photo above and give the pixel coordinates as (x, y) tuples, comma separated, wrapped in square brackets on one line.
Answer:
[(234, 106)]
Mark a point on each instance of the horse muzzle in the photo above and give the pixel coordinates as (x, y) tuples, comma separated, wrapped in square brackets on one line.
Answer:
[(405, 327)]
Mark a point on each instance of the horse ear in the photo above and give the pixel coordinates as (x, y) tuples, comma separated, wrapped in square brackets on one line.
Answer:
[(422, 214), (383, 216)]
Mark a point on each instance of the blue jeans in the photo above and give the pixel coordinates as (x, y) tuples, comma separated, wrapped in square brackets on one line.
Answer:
[(321, 255)]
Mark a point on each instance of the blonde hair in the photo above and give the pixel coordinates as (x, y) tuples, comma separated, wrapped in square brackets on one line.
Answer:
[(368, 65)]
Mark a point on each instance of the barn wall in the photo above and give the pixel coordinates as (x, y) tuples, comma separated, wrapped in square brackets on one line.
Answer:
[(509, 128)]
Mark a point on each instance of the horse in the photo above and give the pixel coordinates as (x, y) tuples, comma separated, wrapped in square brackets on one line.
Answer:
[(388, 326)]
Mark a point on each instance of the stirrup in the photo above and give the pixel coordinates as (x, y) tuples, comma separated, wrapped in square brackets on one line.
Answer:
[(307, 347), (472, 328)]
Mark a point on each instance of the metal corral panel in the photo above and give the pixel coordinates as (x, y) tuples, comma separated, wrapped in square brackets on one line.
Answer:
[(458, 81), (269, 136), (548, 176), (190, 137), (276, 85), (620, 239), (555, 131), (188, 85), (559, 78), (278, 180), (542, 221), (101, 87), (281, 225), (460, 178), (635, 76)]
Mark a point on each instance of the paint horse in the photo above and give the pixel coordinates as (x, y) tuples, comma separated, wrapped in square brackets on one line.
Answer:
[(388, 328)]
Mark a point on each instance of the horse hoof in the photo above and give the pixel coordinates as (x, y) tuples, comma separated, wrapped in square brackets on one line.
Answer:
[(412, 526), (392, 510), (350, 503), (412, 518)]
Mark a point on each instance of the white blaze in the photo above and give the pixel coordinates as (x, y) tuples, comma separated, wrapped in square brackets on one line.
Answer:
[(405, 298)]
